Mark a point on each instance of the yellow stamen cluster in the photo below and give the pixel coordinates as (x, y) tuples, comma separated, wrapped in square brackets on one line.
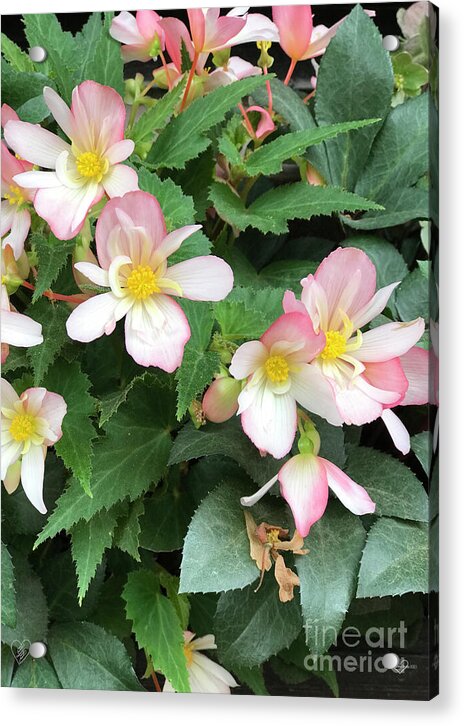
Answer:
[(277, 369), (272, 535), (23, 427), (399, 81), (188, 652), (15, 195), (141, 282), (335, 345), (91, 166)]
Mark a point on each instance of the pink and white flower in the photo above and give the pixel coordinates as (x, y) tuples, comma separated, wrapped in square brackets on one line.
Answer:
[(15, 216), (30, 423), (17, 329), (204, 674), (305, 480), (142, 35), (363, 370), (133, 248), (81, 171), (279, 374)]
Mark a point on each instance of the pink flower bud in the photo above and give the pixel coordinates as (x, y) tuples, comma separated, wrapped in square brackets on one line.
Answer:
[(220, 401)]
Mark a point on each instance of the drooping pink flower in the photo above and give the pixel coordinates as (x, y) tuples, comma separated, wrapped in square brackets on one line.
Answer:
[(30, 423), (15, 216), (278, 372), (83, 171), (142, 35), (363, 370), (265, 124), (204, 674), (133, 248), (305, 480), (220, 401)]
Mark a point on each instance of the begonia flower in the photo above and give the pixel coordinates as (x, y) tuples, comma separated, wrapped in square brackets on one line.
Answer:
[(133, 248), (16, 201), (204, 674), (142, 35), (30, 423)]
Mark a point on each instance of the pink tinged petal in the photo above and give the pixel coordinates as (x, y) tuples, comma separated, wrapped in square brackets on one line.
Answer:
[(99, 114), (38, 179), (353, 496), (10, 454), (197, 27), (19, 330), (314, 392), (33, 398), (20, 226), (8, 114), (13, 477), (389, 341), (53, 410), (60, 111), (124, 28), (93, 273), (253, 498), (257, 27), (270, 421), (139, 52), (173, 241), (176, 32), (265, 125), (223, 31), (295, 24), (120, 180), (320, 39), (388, 376), (303, 484), (215, 678), (8, 394), (356, 406), (203, 278), (374, 307), (336, 273), (220, 401), (156, 334), (248, 358), (415, 364), (397, 431), (148, 23), (242, 68), (65, 209), (315, 301), (34, 143), (32, 476), (10, 165), (292, 305), (93, 318), (141, 208), (120, 151), (6, 218), (388, 398), (295, 328)]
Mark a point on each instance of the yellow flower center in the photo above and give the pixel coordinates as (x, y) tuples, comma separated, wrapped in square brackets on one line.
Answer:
[(335, 345), (273, 536), (23, 426), (188, 652), (91, 165), (141, 282), (276, 368), (15, 195)]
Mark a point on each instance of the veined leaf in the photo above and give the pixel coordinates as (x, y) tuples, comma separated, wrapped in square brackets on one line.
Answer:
[(89, 540), (156, 117), (52, 316)]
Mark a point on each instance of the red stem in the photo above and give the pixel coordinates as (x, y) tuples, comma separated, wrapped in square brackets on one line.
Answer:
[(155, 681), (310, 95), (56, 295), (189, 80), (290, 71), (250, 128), (269, 93), (166, 70)]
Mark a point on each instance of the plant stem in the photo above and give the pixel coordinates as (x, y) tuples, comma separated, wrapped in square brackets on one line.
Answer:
[(155, 681), (189, 81), (166, 70), (290, 71), (269, 93), (56, 295), (247, 121)]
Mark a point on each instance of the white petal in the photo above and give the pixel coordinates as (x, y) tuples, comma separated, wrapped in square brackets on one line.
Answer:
[(92, 318), (397, 430), (34, 143), (247, 359), (93, 273), (374, 307), (120, 180), (19, 330), (313, 391), (203, 278), (389, 341), (32, 476)]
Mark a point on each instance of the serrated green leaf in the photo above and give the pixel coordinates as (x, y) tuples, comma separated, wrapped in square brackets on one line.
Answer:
[(8, 589), (157, 627), (393, 487), (287, 273), (52, 316), (44, 30), (421, 444), (127, 534), (180, 601), (106, 65), (76, 445), (35, 673), (89, 540), (167, 516), (251, 626), (253, 678), (7, 665), (403, 205), (59, 581), (247, 312), (52, 255), (183, 139), (350, 86), (86, 657), (177, 207), (268, 159), (31, 606), (395, 559), (131, 456), (328, 581), (34, 110), (155, 118), (413, 296), (272, 210), (195, 374), (19, 87), (15, 56)]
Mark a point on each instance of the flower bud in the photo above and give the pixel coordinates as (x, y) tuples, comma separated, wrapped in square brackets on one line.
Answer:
[(220, 401)]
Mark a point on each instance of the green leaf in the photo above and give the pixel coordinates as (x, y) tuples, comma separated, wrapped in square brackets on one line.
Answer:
[(52, 316), (177, 207), (351, 86), (421, 444), (402, 205), (31, 606), (157, 116), (253, 678), (8, 589), (268, 159), (87, 40), (86, 657), (272, 210), (251, 626), (109, 404), (131, 456), (52, 255), (19, 87), (34, 110), (8, 663), (43, 29), (328, 581), (35, 674), (227, 439), (393, 487), (127, 535), (164, 524), (76, 445), (106, 65), (413, 296), (195, 374), (89, 540), (247, 312), (389, 263), (395, 559), (184, 137), (157, 627), (180, 601), (15, 56), (60, 586), (287, 273)]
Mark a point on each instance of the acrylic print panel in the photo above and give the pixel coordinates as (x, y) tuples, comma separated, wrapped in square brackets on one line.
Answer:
[(219, 347)]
